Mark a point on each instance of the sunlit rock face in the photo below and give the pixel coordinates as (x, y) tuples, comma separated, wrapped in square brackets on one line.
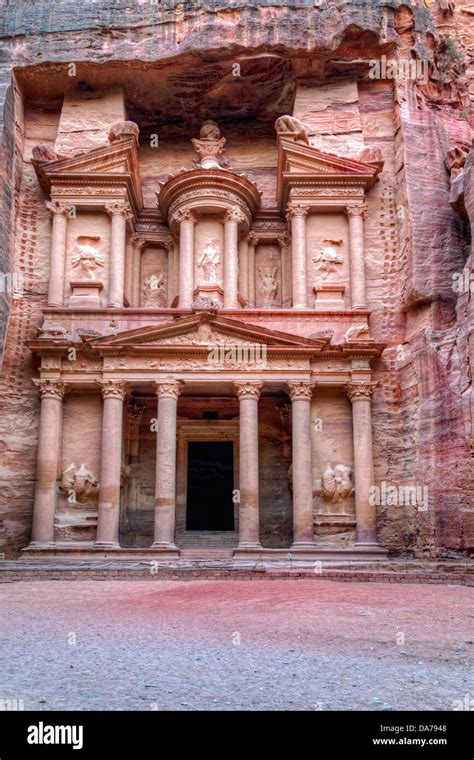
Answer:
[(379, 82)]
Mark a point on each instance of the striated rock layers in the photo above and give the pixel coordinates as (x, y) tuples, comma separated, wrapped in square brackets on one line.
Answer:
[(245, 65)]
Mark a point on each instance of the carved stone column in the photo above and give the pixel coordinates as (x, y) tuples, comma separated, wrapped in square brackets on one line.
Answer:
[(47, 461), (249, 522), (138, 245), (165, 487), (356, 213), (284, 242), (108, 518), (244, 266), (169, 248), (232, 220), (59, 213), (252, 245), (303, 530), (297, 213), (128, 286), (119, 213), (360, 394), (186, 221)]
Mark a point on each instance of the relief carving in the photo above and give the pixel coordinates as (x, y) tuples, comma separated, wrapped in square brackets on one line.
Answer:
[(209, 264), (80, 485), (88, 259), (268, 284), (336, 483), (154, 290), (328, 259)]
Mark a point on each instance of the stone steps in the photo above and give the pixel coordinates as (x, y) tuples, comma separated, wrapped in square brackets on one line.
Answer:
[(206, 540)]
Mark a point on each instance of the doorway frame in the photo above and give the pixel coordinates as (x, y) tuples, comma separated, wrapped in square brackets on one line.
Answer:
[(190, 431)]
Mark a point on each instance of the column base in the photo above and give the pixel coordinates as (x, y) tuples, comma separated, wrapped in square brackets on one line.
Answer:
[(247, 547), (39, 545), (165, 547), (299, 546), (104, 545), (300, 307)]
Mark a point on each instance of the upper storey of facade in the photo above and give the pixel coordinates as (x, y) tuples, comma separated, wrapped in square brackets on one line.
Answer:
[(212, 233)]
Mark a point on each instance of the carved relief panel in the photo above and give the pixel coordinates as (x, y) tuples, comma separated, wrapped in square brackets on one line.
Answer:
[(208, 258), (87, 260), (327, 246), (268, 275), (154, 278)]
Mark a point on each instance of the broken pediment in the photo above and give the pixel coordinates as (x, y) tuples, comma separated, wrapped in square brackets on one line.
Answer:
[(301, 165), (117, 161)]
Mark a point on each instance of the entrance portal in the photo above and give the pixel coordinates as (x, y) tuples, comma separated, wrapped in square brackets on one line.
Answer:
[(210, 486)]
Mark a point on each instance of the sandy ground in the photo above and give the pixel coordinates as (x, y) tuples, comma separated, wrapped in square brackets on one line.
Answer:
[(256, 645)]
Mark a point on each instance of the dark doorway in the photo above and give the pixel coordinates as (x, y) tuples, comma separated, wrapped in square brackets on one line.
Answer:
[(210, 485)]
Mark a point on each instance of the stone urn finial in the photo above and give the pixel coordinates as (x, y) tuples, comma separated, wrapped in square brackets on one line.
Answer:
[(210, 146)]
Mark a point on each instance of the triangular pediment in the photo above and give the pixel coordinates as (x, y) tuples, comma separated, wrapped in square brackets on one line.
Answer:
[(118, 160), (201, 330), (303, 159), (300, 164)]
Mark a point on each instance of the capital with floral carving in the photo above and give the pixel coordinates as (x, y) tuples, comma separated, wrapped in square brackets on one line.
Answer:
[(300, 391), (360, 390), (137, 242), (247, 389), (234, 215), (253, 239), (357, 209), (50, 388), (168, 244), (113, 389), (284, 240), (119, 208), (168, 388), (185, 215), (297, 210), (59, 208)]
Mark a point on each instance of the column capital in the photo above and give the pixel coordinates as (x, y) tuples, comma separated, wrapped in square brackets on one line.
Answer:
[(253, 239), (168, 244), (234, 215), (284, 240), (168, 388), (59, 208), (185, 215), (357, 209), (119, 208), (297, 209), (113, 389), (137, 242), (300, 391), (360, 390), (50, 388), (247, 389)]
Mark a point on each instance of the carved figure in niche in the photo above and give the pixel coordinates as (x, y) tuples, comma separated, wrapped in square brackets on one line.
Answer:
[(336, 483), (80, 485), (154, 287), (87, 257), (328, 258), (209, 263), (268, 284), (210, 146), (290, 124)]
